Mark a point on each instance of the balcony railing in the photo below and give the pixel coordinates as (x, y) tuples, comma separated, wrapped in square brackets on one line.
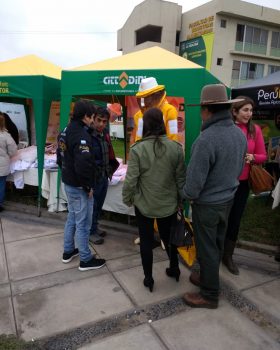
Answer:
[(275, 52), (247, 47)]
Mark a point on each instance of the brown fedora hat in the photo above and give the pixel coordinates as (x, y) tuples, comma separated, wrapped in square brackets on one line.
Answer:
[(215, 94)]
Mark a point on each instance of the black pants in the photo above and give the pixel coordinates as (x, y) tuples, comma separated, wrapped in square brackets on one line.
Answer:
[(210, 225), (146, 234), (238, 207)]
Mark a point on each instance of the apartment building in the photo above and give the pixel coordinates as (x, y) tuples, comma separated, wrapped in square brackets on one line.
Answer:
[(235, 40)]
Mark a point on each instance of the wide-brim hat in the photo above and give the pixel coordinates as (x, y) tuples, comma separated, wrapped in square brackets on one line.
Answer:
[(215, 94), (148, 86)]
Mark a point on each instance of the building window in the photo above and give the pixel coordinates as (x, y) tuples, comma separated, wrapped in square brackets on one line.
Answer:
[(240, 32), (251, 39), (178, 38), (275, 44), (243, 72), (148, 33), (235, 70), (223, 23), (219, 61), (273, 69)]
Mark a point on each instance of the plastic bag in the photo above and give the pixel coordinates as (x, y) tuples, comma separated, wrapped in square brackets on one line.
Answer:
[(188, 254), (181, 231)]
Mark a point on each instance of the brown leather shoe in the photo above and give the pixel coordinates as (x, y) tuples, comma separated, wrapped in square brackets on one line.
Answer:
[(195, 278), (196, 300)]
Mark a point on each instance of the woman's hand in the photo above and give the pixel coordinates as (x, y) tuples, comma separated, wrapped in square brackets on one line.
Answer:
[(249, 158)]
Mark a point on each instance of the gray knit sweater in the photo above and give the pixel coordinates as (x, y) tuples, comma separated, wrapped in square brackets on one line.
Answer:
[(217, 159)]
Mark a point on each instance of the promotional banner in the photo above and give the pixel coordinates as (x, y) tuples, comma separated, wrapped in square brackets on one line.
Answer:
[(17, 113), (266, 97), (198, 50), (53, 125)]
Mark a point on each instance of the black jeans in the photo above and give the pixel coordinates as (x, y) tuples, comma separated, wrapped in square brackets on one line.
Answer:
[(238, 207), (210, 225), (146, 233)]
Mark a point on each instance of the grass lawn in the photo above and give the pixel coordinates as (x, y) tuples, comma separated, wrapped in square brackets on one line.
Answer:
[(118, 146), (11, 342), (260, 223)]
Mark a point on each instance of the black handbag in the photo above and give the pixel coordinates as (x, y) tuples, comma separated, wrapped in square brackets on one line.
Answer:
[(181, 231)]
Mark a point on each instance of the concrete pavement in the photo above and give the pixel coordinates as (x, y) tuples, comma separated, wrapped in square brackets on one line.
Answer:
[(59, 307)]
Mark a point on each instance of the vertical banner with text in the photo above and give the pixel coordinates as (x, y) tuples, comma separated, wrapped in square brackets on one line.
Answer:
[(199, 50)]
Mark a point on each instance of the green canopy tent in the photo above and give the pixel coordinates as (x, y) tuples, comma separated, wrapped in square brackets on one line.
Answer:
[(31, 77), (121, 76)]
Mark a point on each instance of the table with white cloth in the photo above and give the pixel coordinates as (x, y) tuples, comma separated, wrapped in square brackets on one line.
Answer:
[(113, 201), (49, 186)]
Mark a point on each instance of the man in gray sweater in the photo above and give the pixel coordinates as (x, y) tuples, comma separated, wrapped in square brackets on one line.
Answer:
[(217, 159)]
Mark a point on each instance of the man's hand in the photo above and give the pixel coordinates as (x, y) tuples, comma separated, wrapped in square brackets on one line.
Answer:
[(90, 194)]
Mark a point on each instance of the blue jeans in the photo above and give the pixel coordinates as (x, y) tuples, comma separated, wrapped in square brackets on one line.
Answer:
[(100, 191), (78, 222), (2, 189)]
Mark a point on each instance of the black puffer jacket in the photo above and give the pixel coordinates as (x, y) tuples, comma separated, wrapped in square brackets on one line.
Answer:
[(75, 155)]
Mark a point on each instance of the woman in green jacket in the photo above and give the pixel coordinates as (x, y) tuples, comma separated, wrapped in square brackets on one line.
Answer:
[(153, 184)]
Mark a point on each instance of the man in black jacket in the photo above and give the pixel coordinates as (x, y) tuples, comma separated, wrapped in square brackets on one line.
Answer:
[(106, 164), (75, 157)]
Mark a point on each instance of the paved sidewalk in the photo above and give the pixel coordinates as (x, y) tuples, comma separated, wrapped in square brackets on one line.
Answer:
[(59, 307)]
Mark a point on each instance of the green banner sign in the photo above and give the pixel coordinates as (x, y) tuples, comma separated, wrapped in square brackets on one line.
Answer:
[(198, 50)]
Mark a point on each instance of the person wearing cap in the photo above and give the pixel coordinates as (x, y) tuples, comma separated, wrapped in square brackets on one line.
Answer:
[(150, 95), (217, 159), (75, 158)]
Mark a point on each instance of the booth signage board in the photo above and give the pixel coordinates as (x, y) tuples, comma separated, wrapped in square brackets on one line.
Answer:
[(265, 97), (121, 82)]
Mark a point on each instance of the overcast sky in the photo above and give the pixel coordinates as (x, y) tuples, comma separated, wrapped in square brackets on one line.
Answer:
[(71, 33)]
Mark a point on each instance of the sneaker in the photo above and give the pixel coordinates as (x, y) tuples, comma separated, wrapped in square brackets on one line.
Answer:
[(67, 257), (96, 239), (92, 264)]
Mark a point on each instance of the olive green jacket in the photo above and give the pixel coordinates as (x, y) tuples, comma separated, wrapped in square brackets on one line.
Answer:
[(154, 183)]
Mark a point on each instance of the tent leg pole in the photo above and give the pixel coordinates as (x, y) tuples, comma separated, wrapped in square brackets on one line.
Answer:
[(39, 206)]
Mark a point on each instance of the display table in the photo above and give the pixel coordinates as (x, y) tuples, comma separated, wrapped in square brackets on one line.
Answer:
[(113, 201), (49, 191), (49, 186)]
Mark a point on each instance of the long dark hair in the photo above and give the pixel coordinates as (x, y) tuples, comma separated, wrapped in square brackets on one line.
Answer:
[(237, 106), (153, 125)]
